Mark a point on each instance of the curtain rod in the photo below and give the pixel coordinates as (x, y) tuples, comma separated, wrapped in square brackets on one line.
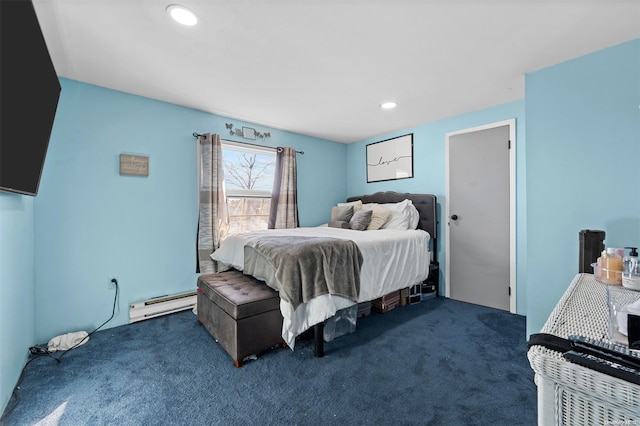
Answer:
[(279, 148)]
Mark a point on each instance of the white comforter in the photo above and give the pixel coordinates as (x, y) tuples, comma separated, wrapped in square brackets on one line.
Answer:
[(392, 260)]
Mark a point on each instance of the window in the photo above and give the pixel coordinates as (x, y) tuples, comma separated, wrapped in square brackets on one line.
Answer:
[(248, 179)]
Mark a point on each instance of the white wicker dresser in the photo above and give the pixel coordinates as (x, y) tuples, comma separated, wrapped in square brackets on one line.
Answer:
[(569, 394)]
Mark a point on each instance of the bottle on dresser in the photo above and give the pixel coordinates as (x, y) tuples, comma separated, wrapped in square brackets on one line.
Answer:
[(610, 263), (630, 270)]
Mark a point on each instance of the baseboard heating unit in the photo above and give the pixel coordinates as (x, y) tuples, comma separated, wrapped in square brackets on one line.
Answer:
[(162, 305)]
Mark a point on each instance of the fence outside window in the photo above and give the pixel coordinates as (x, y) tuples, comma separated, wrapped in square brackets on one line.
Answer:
[(248, 214)]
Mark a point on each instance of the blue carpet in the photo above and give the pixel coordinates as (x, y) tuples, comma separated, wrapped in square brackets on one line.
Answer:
[(439, 362)]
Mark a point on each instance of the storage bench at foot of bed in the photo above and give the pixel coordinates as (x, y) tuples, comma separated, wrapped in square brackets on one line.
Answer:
[(241, 313)]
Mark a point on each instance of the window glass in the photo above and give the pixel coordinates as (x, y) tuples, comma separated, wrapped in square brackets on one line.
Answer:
[(248, 172)]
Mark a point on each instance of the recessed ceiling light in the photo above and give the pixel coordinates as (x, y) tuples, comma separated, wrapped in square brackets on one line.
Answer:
[(388, 105), (182, 15)]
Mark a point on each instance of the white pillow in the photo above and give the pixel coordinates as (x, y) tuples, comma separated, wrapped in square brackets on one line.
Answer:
[(400, 215), (415, 217)]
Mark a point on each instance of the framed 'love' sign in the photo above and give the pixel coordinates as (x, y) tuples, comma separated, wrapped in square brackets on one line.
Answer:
[(390, 159)]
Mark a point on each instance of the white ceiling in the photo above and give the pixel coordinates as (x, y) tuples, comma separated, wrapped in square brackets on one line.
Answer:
[(322, 67)]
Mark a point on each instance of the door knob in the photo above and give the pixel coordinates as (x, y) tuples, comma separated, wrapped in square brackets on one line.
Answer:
[(454, 217)]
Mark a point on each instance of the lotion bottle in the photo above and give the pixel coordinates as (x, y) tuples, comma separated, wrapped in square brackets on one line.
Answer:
[(630, 262)]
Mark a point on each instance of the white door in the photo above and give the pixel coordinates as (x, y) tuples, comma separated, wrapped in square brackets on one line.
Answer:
[(480, 263)]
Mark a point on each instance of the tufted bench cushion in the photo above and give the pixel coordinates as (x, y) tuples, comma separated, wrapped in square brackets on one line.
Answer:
[(241, 312), (239, 295)]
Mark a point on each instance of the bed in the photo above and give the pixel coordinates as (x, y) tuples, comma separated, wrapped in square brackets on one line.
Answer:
[(391, 259)]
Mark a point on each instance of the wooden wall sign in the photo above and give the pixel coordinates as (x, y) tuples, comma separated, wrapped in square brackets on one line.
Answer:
[(135, 165)]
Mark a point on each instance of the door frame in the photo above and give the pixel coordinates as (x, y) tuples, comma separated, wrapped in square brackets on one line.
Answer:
[(512, 205)]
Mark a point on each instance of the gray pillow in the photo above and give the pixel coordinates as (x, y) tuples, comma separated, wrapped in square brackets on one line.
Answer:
[(360, 220), (339, 224), (342, 213)]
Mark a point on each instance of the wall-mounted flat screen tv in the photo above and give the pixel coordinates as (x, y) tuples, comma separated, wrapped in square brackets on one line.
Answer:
[(29, 92)]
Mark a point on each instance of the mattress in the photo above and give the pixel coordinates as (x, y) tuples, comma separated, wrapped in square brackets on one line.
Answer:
[(392, 260)]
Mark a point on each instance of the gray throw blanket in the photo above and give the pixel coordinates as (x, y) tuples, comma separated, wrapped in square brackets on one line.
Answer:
[(301, 268)]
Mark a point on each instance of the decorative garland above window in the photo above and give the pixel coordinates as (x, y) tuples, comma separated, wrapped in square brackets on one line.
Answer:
[(246, 132)]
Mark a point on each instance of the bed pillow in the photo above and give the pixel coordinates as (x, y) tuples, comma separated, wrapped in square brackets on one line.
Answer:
[(357, 205), (379, 216), (339, 224), (360, 220), (415, 217), (400, 215), (341, 213)]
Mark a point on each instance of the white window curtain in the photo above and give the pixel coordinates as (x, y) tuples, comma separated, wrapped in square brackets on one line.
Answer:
[(284, 198), (213, 214)]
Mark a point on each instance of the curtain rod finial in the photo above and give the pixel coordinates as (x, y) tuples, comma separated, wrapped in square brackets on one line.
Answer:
[(280, 149)]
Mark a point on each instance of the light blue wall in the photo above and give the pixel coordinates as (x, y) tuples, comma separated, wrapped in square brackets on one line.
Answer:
[(429, 142), (583, 157), (91, 224), (16, 289), (580, 171)]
